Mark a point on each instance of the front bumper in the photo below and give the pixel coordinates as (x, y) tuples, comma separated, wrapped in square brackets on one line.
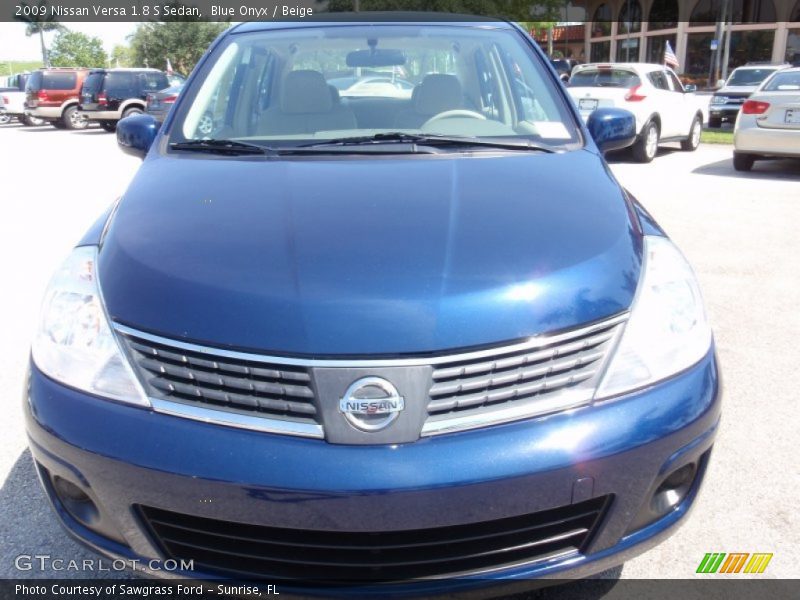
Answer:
[(126, 457), (726, 112)]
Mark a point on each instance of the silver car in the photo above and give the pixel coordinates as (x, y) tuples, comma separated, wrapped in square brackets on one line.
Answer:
[(769, 121)]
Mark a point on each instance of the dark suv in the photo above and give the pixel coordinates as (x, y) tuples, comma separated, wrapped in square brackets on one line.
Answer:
[(109, 95), (52, 95)]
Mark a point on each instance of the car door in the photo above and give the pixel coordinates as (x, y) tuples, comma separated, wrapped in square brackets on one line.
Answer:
[(662, 99), (682, 104)]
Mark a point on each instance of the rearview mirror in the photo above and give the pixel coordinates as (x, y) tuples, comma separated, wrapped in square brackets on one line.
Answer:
[(135, 134), (376, 58), (612, 128)]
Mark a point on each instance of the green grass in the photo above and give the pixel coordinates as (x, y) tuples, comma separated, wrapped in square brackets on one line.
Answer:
[(715, 136)]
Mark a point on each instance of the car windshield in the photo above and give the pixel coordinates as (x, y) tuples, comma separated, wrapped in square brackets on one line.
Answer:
[(287, 87), (749, 76), (784, 82), (604, 77)]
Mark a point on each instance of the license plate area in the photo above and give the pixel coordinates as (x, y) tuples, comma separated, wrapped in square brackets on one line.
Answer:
[(587, 104), (792, 116)]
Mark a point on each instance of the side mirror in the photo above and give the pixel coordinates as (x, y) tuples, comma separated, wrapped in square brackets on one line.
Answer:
[(135, 134), (690, 88), (612, 128)]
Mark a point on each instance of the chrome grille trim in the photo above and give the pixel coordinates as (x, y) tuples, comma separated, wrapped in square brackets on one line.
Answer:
[(560, 374), (530, 343), (232, 419), (577, 375)]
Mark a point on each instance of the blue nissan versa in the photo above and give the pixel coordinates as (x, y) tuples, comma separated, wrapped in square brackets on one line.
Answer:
[(419, 337)]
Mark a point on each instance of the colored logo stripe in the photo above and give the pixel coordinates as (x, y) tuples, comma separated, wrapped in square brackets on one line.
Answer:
[(734, 563), (758, 563), (711, 562)]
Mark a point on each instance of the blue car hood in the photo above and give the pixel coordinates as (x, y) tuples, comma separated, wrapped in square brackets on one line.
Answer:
[(369, 255)]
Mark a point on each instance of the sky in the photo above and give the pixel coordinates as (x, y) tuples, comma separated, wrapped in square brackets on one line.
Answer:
[(15, 45)]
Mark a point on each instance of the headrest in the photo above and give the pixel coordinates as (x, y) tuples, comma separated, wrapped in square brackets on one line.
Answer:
[(438, 93), (305, 92)]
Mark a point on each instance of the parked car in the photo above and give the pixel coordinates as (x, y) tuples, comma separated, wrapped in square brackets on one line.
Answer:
[(743, 81), (564, 66), (52, 95), (109, 95), (325, 352), (386, 87), (769, 123), (159, 103), (12, 102), (665, 110)]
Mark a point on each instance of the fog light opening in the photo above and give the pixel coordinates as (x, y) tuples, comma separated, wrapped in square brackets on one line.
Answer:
[(75, 501), (673, 489)]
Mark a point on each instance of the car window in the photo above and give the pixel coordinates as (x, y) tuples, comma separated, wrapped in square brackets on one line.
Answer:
[(301, 84), (784, 82), (659, 80), (604, 77), (152, 82), (93, 83), (749, 76), (120, 84), (674, 83), (34, 82), (59, 81)]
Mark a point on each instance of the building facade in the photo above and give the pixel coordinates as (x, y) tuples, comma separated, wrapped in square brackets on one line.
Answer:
[(638, 30)]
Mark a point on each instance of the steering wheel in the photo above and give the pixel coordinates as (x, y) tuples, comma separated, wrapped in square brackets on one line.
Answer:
[(459, 112)]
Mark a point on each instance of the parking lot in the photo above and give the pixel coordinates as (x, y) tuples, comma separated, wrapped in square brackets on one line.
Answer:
[(738, 230)]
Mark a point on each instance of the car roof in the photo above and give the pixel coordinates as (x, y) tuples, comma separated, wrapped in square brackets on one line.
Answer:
[(375, 18), (762, 66), (127, 69), (641, 67)]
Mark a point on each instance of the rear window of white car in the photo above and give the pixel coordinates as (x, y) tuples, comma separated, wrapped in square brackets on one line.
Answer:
[(784, 82), (600, 77)]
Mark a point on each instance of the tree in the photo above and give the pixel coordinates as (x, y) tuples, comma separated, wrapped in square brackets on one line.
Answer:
[(40, 21), (73, 48), (518, 10), (183, 42), (122, 56)]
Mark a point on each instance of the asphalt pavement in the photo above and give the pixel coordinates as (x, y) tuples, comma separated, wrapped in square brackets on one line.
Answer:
[(738, 230)]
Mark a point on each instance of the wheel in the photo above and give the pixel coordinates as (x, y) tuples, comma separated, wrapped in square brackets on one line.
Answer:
[(206, 124), (691, 143), (109, 126), (4, 118), (743, 162), (646, 146), (73, 119), (714, 122), (133, 110), (31, 121), (58, 124)]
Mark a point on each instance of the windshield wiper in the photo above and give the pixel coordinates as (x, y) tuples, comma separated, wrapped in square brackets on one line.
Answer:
[(229, 147), (435, 140)]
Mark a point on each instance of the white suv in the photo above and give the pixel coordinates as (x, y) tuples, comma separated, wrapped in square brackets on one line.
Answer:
[(665, 110)]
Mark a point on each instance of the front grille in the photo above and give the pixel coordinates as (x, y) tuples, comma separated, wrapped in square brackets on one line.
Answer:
[(468, 390), (255, 551), (564, 370), (213, 380)]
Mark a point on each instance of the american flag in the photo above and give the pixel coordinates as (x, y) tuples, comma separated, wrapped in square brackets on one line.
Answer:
[(669, 57)]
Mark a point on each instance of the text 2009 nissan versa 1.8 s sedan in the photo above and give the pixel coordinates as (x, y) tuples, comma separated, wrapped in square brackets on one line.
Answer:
[(374, 338)]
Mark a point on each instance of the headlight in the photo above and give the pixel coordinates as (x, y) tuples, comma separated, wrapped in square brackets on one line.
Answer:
[(74, 344), (667, 331)]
